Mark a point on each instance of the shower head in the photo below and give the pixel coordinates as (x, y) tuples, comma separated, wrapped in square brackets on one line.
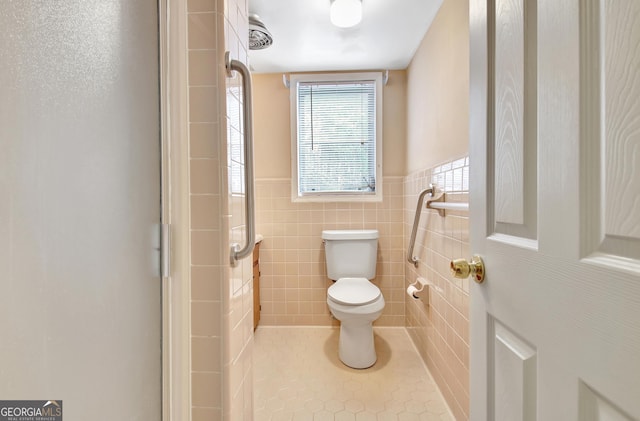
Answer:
[(259, 37)]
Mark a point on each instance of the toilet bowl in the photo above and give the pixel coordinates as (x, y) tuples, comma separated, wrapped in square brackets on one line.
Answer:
[(356, 302), (351, 261)]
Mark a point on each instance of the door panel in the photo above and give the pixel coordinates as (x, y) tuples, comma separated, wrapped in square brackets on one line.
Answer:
[(80, 305), (509, 83), (514, 363), (595, 408), (513, 146), (611, 124), (555, 332)]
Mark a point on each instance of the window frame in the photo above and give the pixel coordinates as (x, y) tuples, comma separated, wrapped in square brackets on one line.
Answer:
[(295, 79)]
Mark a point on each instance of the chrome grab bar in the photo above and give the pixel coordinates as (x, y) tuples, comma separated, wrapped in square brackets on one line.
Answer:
[(238, 66), (416, 221), (438, 203)]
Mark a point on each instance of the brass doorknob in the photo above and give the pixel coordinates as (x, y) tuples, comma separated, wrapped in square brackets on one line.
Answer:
[(461, 268)]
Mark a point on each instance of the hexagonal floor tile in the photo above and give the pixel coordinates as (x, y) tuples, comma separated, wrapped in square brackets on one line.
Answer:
[(298, 377)]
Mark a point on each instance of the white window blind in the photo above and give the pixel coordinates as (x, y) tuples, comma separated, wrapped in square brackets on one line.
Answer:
[(336, 137)]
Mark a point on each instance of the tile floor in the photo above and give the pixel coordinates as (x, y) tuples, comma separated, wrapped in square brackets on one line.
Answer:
[(298, 376)]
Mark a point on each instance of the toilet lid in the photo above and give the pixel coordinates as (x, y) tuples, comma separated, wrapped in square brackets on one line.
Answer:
[(353, 291)]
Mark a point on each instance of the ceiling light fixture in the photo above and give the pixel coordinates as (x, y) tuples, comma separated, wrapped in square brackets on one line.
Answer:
[(346, 13)]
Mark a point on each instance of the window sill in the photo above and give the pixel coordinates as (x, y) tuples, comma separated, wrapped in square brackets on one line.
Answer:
[(329, 198)]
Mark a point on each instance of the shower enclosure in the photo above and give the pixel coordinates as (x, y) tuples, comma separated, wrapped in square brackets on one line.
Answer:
[(80, 298)]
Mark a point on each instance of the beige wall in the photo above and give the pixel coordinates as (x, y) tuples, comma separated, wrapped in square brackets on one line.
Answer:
[(272, 128), (221, 370), (205, 214), (237, 297), (438, 90), (438, 322), (294, 283), (437, 97)]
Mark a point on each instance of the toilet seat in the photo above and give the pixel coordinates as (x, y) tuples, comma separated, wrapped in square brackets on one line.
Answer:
[(353, 291)]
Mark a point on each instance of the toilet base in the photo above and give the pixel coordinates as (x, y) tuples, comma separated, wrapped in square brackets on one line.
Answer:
[(356, 348)]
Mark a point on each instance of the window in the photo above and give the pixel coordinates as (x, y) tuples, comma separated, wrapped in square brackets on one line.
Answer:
[(336, 130)]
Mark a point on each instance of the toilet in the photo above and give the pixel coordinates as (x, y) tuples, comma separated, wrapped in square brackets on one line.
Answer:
[(353, 299)]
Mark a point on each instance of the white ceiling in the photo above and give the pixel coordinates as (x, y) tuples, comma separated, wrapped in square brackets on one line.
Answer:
[(305, 40)]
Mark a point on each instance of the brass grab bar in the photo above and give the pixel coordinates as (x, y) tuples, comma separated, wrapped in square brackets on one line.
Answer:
[(416, 221)]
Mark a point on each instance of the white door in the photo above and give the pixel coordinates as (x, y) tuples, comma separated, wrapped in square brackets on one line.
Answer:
[(555, 209), (80, 308)]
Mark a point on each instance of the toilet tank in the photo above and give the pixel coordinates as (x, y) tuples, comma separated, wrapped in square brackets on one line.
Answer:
[(350, 253)]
